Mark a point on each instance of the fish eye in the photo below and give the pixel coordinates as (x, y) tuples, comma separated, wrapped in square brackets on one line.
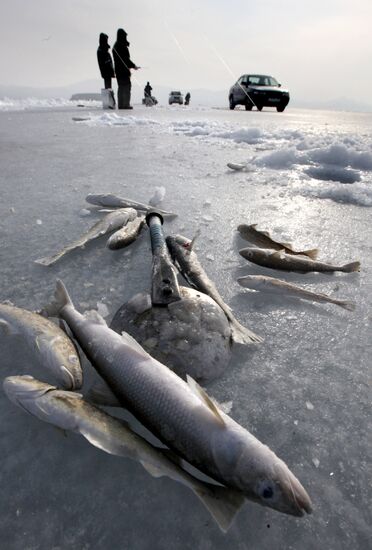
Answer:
[(266, 490)]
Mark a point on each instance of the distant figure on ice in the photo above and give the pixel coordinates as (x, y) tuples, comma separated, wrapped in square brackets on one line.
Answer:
[(187, 98), (123, 65), (147, 91), (107, 71)]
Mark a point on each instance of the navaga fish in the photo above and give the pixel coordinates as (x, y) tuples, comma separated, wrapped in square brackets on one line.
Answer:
[(109, 223), (264, 239), (180, 249), (52, 347), (126, 235), (289, 262), (277, 286), (182, 415), (110, 200), (69, 411)]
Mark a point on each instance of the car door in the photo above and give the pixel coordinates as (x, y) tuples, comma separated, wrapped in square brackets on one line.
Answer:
[(240, 89)]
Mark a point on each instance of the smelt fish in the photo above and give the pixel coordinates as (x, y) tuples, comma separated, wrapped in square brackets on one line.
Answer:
[(277, 286), (264, 239), (109, 223), (180, 249), (288, 262)]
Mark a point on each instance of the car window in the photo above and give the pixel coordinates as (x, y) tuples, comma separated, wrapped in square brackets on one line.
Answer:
[(254, 80), (273, 81)]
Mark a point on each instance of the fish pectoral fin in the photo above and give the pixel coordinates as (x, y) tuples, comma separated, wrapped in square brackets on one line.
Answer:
[(278, 253), (222, 503), (204, 397), (154, 471), (100, 394)]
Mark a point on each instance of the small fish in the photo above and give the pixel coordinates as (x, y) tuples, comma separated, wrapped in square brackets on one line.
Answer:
[(109, 223), (110, 200), (264, 239), (52, 347), (127, 234), (289, 262), (69, 411), (180, 249), (276, 286), (236, 166), (182, 415)]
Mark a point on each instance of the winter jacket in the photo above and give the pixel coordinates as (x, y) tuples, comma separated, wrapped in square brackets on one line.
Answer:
[(120, 52), (104, 58)]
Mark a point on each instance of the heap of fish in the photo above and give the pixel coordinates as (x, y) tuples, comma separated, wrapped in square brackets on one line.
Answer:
[(273, 254)]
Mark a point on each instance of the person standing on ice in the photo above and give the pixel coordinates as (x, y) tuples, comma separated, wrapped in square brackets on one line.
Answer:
[(123, 65), (187, 98), (105, 61), (147, 91)]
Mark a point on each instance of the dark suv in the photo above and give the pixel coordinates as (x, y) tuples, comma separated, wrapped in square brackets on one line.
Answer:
[(258, 90)]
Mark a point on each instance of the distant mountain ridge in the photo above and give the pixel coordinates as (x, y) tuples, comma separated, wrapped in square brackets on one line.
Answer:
[(211, 98)]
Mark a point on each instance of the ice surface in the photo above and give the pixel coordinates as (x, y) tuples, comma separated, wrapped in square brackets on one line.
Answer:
[(60, 492)]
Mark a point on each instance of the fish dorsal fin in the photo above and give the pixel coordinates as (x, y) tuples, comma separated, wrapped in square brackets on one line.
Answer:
[(253, 225), (267, 234), (204, 397), (93, 316), (130, 341)]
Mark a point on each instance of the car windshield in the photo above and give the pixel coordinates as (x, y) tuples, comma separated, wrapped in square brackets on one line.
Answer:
[(175, 93), (261, 80)]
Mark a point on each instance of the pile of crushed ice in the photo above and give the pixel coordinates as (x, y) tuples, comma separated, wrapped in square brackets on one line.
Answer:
[(8, 104)]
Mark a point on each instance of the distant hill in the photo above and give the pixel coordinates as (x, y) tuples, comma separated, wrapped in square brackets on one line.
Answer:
[(209, 98)]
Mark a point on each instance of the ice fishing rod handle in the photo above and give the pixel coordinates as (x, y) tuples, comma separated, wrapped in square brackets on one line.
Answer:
[(155, 221), (165, 289)]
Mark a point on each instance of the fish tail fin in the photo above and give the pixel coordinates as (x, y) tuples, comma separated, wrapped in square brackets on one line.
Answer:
[(350, 306), (222, 503), (242, 335), (351, 267), (312, 253), (61, 299)]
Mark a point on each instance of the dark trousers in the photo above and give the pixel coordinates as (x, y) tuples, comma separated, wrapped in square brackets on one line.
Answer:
[(124, 88), (107, 82)]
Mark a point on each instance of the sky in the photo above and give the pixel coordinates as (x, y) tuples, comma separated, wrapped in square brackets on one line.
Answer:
[(319, 49)]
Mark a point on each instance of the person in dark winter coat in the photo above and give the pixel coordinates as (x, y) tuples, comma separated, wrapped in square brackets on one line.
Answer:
[(123, 65), (148, 90), (105, 61), (187, 98)]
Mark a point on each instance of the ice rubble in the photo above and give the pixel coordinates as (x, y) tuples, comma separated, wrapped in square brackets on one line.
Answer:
[(8, 104)]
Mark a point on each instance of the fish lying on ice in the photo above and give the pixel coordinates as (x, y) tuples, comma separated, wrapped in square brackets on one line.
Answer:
[(182, 415), (276, 286), (126, 235), (180, 249), (110, 200), (264, 239), (53, 348), (69, 411), (289, 262), (109, 223)]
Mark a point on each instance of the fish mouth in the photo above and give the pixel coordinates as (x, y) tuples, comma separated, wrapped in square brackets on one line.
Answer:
[(298, 501)]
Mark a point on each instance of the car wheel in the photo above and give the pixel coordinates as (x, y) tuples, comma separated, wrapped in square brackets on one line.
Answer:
[(280, 108), (231, 103), (248, 106)]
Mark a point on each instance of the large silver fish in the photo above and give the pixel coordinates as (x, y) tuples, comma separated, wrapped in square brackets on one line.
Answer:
[(277, 286), (110, 200), (182, 415), (180, 249), (52, 347), (264, 239), (69, 411), (127, 234), (109, 223), (289, 262)]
